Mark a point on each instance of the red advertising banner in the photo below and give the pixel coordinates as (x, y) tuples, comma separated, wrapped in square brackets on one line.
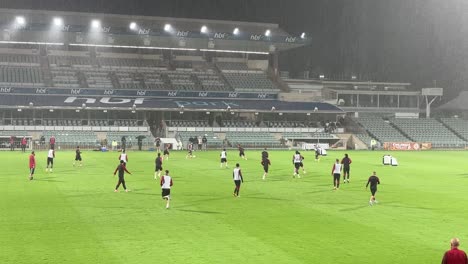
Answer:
[(407, 146)]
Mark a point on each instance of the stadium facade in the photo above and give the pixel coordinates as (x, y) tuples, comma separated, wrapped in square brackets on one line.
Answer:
[(95, 78)]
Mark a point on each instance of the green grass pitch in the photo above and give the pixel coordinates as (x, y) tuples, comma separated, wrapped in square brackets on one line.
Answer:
[(73, 216)]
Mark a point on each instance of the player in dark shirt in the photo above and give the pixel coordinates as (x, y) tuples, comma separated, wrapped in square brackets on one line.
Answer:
[(121, 169), (166, 152), (78, 156), (346, 161), (159, 168), (264, 154), (265, 163), (241, 152), (373, 181)]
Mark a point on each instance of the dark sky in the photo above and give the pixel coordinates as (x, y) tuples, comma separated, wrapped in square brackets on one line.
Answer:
[(418, 41)]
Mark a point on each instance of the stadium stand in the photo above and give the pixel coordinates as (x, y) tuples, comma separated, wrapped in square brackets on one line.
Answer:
[(131, 138), (230, 123), (73, 138), (253, 139), (459, 126), (187, 123), (382, 130), (24, 76), (248, 82), (366, 139), (213, 141), (429, 130), (309, 136)]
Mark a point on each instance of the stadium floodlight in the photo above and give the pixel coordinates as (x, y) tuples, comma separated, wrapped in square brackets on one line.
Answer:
[(315, 109), (321, 76), (303, 35), (354, 77), (236, 31), (256, 113), (51, 110), (104, 111), (133, 26), (268, 33), (204, 29), (232, 112), (207, 113), (77, 110), (95, 23), (58, 22), (19, 110), (168, 28), (20, 20), (308, 114), (280, 114), (31, 104)]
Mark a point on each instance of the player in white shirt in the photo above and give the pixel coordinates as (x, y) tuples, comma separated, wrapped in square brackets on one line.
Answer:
[(237, 177), (297, 161), (124, 157), (166, 184), (223, 156), (336, 173), (50, 159)]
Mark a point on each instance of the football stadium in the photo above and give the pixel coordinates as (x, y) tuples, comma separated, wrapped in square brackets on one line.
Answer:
[(218, 134)]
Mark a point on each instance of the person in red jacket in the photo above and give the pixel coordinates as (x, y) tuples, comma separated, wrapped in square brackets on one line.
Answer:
[(32, 165), (455, 255)]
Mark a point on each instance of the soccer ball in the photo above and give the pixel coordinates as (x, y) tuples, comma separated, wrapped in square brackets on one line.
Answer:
[(194, 156)]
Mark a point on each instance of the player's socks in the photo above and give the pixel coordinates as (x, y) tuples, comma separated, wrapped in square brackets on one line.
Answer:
[(370, 203)]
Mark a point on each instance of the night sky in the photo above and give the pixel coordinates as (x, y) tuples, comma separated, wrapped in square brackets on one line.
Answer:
[(418, 41)]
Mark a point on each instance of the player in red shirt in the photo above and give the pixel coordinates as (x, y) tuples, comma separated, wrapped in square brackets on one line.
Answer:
[(24, 142), (454, 255), (12, 143), (32, 165), (52, 142)]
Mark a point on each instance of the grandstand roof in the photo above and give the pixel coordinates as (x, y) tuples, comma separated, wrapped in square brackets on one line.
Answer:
[(152, 104), (459, 103), (149, 32)]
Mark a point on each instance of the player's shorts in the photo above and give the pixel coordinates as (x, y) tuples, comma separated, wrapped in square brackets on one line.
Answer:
[(165, 192), (297, 165), (166, 152), (158, 168), (78, 158), (265, 168), (241, 154), (31, 170), (50, 161), (237, 183), (346, 170), (373, 191), (336, 176), (223, 160)]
